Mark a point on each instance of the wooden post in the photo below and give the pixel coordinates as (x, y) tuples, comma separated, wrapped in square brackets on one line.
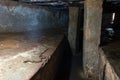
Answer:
[(92, 32)]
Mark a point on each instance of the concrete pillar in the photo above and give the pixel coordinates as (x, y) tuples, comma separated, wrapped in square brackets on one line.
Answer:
[(92, 31), (73, 24)]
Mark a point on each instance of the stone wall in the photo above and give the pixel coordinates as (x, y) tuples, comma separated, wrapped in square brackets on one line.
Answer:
[(19, 17)]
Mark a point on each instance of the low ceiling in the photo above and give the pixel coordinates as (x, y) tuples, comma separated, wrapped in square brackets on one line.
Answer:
[(109, 5), (45, 0)]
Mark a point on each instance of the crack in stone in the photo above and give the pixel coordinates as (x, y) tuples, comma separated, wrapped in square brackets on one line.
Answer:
[(104, 69), (41, 58)]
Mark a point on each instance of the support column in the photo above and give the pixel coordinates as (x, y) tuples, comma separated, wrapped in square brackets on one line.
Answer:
[(73, 24), (92, 32)]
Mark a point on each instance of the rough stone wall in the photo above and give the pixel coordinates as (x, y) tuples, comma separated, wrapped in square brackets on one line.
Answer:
[(92, 31), (73, 26), (17, 17)]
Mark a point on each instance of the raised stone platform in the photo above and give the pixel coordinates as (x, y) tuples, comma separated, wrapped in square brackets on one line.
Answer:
[(110, 60), (23, 54)]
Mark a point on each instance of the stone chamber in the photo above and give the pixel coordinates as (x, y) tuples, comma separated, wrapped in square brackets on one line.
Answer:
[(59, 40)]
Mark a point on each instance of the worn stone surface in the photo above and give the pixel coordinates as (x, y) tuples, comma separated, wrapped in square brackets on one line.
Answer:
[(110, 74), (19, 17), (102, 64), (107, 68), (73, 26), (111, 58), (23, 54), (92, 31), (58, 66)]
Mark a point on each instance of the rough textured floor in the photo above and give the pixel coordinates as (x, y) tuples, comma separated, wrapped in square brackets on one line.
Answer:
[(76, 69)]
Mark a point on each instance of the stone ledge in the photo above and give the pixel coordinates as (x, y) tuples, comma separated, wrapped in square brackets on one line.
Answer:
[(110, 58), (22, 55)]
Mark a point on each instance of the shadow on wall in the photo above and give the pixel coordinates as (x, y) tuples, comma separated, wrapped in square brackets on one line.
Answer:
[(22, 18)]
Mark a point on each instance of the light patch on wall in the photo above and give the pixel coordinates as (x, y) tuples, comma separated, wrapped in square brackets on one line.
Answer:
[(113, 18)]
